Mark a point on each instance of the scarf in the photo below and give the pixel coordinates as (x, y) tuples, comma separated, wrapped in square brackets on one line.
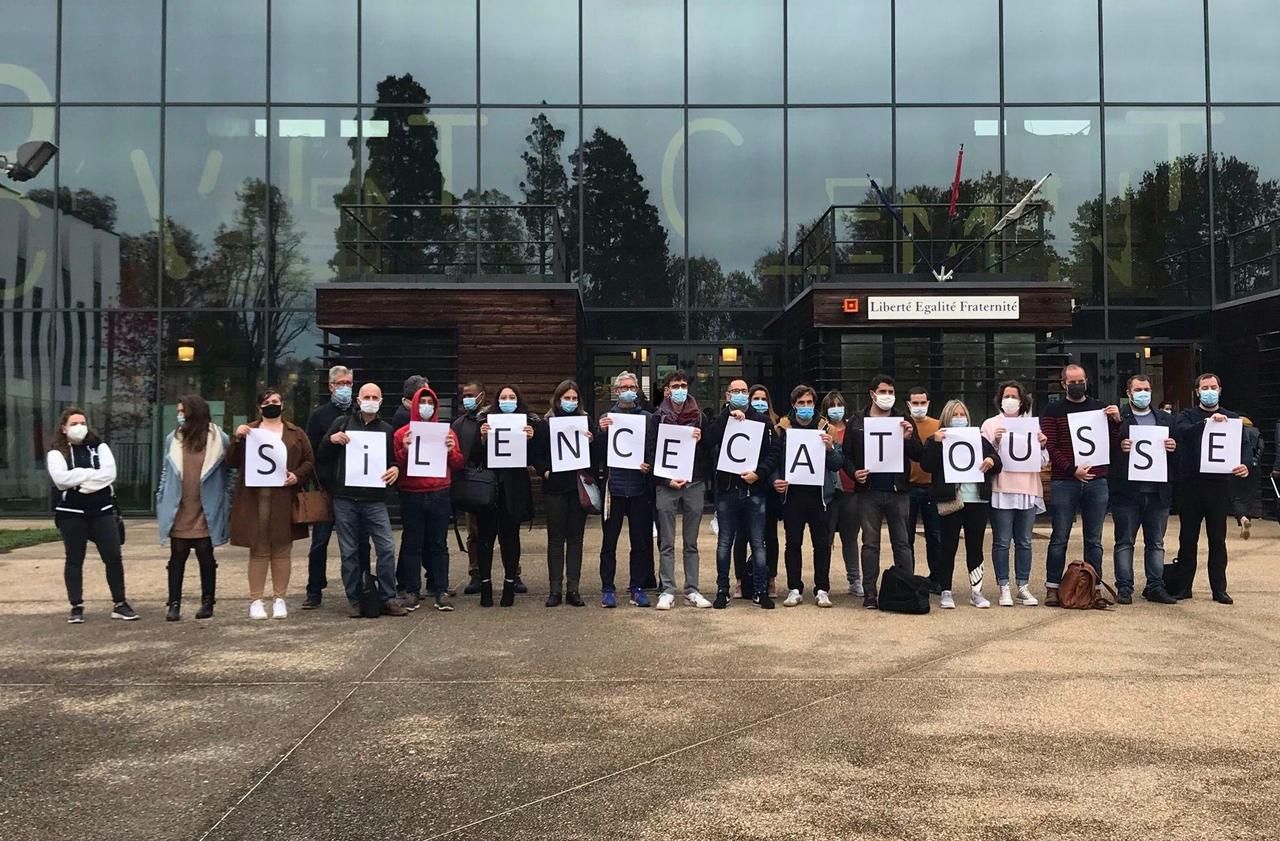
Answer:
[(688, 414)]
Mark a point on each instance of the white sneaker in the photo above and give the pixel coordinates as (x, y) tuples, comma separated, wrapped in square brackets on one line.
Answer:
[(1025, 597), (948, 601), (666, 601), (697, 599), (257, 610), (279, 610), (822, 599), (1245, 525), (793, 598), (1006, 598), (978, 600)]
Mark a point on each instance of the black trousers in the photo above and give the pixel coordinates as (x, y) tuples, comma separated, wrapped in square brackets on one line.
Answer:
[(180, 549), (972, 519), (803, 508), (638, 510), (566, 522), (76, 534), (1208, 500)]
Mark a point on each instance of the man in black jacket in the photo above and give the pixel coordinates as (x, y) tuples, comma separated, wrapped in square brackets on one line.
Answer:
[(360, 513), (884, 496), (1144, 504), (741, 498), (1202, 496)]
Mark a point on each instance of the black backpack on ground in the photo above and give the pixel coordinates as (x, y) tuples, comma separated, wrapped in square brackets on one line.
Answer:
[(370, 601), (902, 592)]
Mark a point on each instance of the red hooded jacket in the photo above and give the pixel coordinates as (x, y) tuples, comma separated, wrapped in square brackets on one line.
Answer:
[(423, 484)]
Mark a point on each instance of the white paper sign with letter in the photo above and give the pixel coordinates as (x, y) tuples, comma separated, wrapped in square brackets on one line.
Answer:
[(740, 447), (806, 457), (366, 459), (673, 458), (428, 453), (1020, 445), (507, 445), (265, 460), (570, 449), (883, 445), (1090, 438), (1148, 460), (626, 440), (1220, 446), (962, 455)]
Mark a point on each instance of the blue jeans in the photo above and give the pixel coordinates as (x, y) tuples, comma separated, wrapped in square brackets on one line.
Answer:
[(924, 508), (1012, 525), (362, 520), (738, 511), (318, 557), (1068, 497), (1129, 512), (424, 541)]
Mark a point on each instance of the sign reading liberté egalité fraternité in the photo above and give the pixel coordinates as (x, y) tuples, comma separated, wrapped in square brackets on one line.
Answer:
[(943, 308)]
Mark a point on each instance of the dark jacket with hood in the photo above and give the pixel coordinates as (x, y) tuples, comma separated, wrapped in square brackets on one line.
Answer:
[(766, 459), (855, 456), (566, 481), (334, 456), (424, 484), (940, 490)]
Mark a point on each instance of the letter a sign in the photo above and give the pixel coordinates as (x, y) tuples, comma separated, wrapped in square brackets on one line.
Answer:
[(806, 457)]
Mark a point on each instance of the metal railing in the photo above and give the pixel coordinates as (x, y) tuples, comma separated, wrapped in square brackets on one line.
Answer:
[(865, 239), (1249, 261), (454, 240)]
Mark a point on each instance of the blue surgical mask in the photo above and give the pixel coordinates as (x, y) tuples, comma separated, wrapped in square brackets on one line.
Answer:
[(181, 419), (568, 406), (1141, 399), (342, 396), (836, 413), (959, 423), (804, 413), (628, 396), (470, 403), (679, 395), (738, 401), (761, 406), (507, 406), (426, 410), (1209, 397)]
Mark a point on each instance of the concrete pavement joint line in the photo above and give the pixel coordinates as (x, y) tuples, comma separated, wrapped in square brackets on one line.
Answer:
[(733, 732), (282, 760)]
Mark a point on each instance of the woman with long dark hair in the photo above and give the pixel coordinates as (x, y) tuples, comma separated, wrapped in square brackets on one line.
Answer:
[(193, 502), (515, 503), (83, 470), (762, 402), (843, 510), (566, 518)]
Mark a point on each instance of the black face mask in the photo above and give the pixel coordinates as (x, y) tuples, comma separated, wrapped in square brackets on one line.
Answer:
[(271, 411), (1077, 390)]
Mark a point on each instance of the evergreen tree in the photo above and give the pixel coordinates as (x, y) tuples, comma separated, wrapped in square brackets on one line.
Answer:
[(499, 233), (545, 183)]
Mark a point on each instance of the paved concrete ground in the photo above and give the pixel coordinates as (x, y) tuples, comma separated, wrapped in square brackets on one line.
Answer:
[(1147, 722)]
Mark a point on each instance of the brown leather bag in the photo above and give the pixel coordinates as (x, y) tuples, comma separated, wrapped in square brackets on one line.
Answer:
[(1079, 588), (311, 507)]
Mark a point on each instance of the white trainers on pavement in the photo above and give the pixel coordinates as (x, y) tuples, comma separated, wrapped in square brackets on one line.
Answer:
[(1025, 597), (822, 599), (948, 601), (978, 600), (793, 598), (697, 599), (257, 610), (666, 601), (279, 610), (1006, 598)]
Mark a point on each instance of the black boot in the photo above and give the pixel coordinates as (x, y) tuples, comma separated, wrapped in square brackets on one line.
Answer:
[(554, 600), (520, 588), (573, 598), (206, 608), (175, 612), (486, 594), (473, 586), (508, 593)]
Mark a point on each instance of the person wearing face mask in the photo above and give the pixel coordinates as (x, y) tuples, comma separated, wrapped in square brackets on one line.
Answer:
[(806, 505), (1135, 504), (1075, 489), (404, 411), (760, 401), (339, 405), (741, 499), (1244, 489), (1204, 497), (884, 496), (193, 501), (466, 426), (923, 507), (1016, 499), (425, 508), (515, 505), (673, 496), (629, 497), (262, 518), (566, 518), (360, 513), (842, 511), (973, 500), (82, 470)]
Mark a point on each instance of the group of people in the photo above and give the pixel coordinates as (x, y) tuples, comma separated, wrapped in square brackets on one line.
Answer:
[(203, 499)]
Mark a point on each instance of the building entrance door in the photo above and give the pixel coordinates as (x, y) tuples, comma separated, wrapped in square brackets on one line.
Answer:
[(1171, 370)]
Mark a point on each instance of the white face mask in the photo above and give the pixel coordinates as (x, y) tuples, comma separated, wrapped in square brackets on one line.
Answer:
[(918, 412), (77, 432), (1010, 405), (885, 401), (370, 407)]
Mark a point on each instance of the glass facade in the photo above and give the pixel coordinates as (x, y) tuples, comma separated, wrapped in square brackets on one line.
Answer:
[(689, 143)]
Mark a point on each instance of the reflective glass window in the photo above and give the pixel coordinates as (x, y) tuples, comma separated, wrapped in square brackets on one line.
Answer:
[(29, 44), (432, 41), (529, 51), (216, 52), (838, 51), (633, 52), (1050, 51), (313, 50), (1244, 64), (947, 51), (735, 51), (95, 65), (1175, 29)]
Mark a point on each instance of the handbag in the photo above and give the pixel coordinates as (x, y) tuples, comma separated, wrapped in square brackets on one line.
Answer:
[(312, 506), (902, 592), (589, 493), (1079, 589), (950, 506), (475, 488)]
